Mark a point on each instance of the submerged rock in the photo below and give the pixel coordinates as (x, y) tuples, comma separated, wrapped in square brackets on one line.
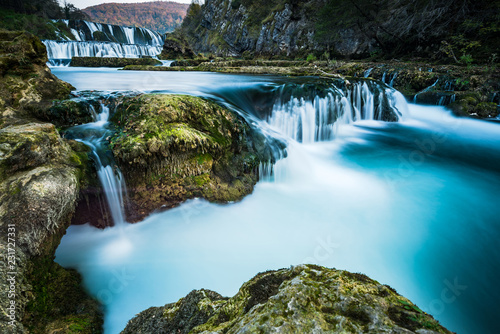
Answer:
[(174, 147), (302, 299)]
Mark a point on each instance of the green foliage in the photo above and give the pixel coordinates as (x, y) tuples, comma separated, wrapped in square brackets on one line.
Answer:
[(39, 26), (310, 58)]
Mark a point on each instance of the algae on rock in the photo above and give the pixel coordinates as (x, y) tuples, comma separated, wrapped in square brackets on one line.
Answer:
[(175, 147), (40, 178), (302, 299)]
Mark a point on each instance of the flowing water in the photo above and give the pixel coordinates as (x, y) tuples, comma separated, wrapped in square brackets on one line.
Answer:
[(102, 40), (410, 203)]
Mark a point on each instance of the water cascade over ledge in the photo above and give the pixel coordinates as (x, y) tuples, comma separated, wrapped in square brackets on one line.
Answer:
[(353, 189), (94, 136), (103, 40)]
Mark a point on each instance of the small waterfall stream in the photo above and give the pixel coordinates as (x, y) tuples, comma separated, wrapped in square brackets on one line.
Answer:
[(94, 135)]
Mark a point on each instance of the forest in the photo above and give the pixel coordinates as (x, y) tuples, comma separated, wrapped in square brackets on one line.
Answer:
[(160, 16)]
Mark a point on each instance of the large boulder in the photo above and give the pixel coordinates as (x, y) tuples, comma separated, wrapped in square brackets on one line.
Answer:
[(175, 147), (176, 47), (27, 87), (302, 299)]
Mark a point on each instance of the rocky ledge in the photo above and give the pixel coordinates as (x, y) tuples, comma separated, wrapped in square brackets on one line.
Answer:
[(174, 147), (302, 299), (111, 61), (40, 179)]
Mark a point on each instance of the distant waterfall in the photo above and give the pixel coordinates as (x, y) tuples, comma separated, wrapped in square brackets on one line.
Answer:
[(103, 40), (59, 51), (314, 117)]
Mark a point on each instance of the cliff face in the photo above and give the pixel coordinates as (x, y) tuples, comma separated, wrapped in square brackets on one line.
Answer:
[(302, 299), (458, 30), (230, 28)]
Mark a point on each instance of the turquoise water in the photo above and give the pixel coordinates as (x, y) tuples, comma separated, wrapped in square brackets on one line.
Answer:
[(412, 204)]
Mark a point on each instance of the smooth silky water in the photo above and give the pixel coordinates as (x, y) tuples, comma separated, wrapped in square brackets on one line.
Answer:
[(412, 204)]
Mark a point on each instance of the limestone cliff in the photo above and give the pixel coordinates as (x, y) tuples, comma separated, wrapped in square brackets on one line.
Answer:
[(456, 30)]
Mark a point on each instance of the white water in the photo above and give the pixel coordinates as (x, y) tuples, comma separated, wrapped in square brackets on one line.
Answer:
[(68, 49), (410, 204), (133, 35), (109, 175), (132, 43)]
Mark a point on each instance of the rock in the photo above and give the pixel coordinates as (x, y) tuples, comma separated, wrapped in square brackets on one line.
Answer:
[(40, 179), (302, 299), (111, 61), (174, 147), (193, 310), (27, 87), (38, 191), (176, 47)]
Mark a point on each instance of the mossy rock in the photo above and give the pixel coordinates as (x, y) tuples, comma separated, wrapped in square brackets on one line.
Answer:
[(302, 299), (175, 147)]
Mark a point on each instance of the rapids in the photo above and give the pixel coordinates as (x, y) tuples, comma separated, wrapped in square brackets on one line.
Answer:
[(411, 203)]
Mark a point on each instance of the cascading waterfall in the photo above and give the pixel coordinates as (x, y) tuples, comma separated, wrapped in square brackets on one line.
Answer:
[(317, 118), (425, 90), (307, 120), (110, 176), (61, 52), (103, 40)]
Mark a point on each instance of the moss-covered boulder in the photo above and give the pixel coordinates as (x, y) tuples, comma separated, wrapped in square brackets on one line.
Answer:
[(27, 87), (40, 177), (302, 299), (175, 147)]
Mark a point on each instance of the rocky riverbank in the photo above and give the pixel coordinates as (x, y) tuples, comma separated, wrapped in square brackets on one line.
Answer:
[(40, 180), (302, 299)]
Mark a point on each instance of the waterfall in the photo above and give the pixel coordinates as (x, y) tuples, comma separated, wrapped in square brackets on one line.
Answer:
[(425, 90), (103, 40), (61, 52), (85, 31), (112, 181), (309, 118)]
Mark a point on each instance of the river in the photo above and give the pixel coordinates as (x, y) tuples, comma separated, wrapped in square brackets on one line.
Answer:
[(412, 204)]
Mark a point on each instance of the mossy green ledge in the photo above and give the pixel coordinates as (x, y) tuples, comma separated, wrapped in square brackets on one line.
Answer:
[(301, 299), (175, 147)]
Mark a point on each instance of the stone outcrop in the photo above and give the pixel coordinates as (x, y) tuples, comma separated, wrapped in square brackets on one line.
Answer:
[(302, 299), (40, 178), (175, 147), (471, 91), (111, 61), (176, 47), (27, 88), (458, 32)]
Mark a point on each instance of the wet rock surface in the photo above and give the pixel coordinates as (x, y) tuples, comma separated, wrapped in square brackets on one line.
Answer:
[(40, 179), (302, 299), (174, 147)]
